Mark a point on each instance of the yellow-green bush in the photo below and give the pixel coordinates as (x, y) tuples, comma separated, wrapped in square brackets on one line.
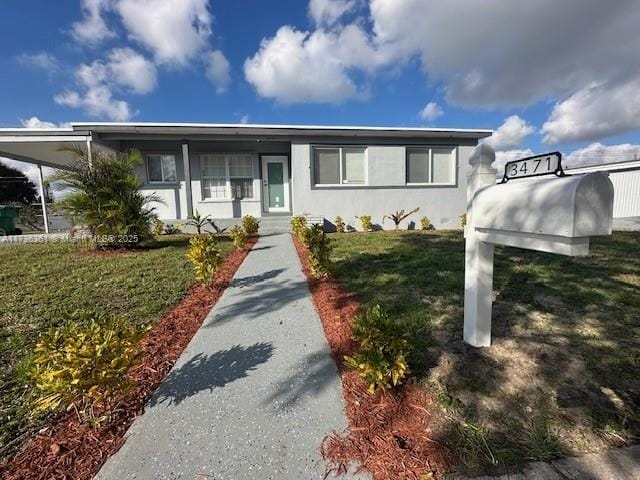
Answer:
[(365, 223), (85, 360), (339, 224), (425, 224), (239, 236), (157, 227), (250, 224), (298, 225), (381, 358), (463, 220), (206, 256), (319, 246)]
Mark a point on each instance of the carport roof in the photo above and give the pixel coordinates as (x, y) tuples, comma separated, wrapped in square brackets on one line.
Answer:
[(41, 146)]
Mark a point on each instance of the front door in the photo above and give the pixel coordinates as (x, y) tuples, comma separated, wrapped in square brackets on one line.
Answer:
[(275, 183)]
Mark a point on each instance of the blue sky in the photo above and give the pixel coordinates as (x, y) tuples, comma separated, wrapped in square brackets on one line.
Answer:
[(545, 76)]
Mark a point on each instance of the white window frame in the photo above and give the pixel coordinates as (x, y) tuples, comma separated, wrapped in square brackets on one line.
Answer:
[(227, 190), (341, 148), (430, 148), (163, 181)]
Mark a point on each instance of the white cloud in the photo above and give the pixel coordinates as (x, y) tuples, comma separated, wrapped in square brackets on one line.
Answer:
[(328, 12), (244, 118), (217, 70), (174, 30), (511, 133), (98, 101), (92, 29), (36, 123), (431, 111), (507, 53), (43, 60), (594, 112), (597, 153), (131, 70), (296, 66), (123, 70)]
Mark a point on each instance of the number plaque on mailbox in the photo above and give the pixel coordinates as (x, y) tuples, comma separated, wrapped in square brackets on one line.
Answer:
[(534, 166)]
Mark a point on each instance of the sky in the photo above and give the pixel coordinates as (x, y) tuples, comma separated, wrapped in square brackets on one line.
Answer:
[(545, 75)]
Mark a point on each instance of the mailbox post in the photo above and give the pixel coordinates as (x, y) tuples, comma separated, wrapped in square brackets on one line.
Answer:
[(548, 214)]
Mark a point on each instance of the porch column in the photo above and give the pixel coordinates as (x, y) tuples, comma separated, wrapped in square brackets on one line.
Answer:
[(187, 177), (43, 200), (89, 154)]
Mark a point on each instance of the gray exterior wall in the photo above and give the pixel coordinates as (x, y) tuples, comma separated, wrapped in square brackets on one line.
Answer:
[(386, 192), (174, 195)]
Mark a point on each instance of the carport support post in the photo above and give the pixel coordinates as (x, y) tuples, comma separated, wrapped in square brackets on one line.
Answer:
[(43, 200), (187, 177), (478, 271)]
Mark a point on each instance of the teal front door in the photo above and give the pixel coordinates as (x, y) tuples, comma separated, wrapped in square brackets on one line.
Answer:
[(275, 183)]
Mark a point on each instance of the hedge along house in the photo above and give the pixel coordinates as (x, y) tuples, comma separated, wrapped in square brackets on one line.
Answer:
[(275, 171)]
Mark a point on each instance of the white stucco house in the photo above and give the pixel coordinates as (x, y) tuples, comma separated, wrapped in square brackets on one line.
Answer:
[(274, 171)]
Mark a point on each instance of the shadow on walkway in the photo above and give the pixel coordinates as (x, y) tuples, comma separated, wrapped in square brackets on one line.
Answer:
[(270, 298), (311, 376), (253, 279), (206, 372)]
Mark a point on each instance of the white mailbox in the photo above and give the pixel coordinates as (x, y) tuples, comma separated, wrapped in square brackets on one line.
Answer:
[(549, 214)]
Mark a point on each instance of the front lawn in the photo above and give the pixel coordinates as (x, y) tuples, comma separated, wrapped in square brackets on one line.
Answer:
[(562, 374), (42, 284)]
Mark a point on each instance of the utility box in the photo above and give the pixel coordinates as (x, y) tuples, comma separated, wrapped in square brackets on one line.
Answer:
[(8, 215)]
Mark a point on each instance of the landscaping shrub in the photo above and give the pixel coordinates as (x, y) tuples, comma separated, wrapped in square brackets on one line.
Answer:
[(339, 224), (85, 361), (298, 225), (157, 227), (250, 224), (425, 224), (206, 256), (399, 216), (365, 223), (381, 358), (106, 197), (239, 236), (463, 220), (170, 229), (319, 246)]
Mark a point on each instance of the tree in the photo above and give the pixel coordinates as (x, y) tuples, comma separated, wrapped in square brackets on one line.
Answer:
[(15, 186), (105, 195)]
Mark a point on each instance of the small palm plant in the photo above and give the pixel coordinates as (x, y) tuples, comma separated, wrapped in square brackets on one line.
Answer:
[(198, 222), (106, 197), (399, 216)]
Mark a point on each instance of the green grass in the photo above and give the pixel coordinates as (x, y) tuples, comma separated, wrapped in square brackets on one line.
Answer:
[(42, 284), (562, 374)]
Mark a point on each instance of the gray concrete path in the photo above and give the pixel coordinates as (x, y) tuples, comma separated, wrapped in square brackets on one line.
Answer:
[(253, 394)]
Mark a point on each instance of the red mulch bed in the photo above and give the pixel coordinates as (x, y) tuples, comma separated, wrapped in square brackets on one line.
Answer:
[(71, 450), (388, 433)]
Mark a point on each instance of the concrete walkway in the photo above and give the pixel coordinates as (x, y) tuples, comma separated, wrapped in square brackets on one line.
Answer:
[(253, 394)]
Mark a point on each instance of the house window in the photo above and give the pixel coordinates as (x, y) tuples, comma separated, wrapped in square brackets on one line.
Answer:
[(234, 170), (431, 165), (161, 168), (339, 165), (214, 176), (241, 175)]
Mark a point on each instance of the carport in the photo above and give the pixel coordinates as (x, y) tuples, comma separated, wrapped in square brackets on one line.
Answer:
[(42, 147)]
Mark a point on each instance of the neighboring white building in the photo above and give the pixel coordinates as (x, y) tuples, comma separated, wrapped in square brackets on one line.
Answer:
[(227, 171), (625, 177)]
